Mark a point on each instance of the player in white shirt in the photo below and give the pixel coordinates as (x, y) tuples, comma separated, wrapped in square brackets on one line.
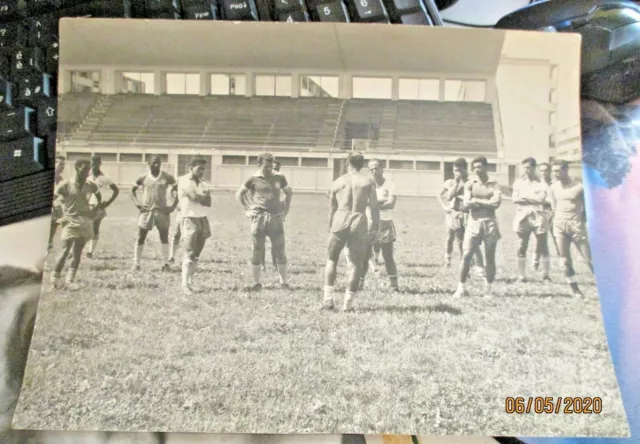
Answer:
[(194, 200), (386, 195), (104, 183), (530, 195)]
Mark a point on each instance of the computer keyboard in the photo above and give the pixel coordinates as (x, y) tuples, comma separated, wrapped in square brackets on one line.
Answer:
[(29, 52)]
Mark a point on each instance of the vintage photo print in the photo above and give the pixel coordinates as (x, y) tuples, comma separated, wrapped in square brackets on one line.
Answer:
[(319, 229)]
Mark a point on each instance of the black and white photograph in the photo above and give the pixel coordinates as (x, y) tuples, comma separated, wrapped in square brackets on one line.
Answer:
[(347, 230)]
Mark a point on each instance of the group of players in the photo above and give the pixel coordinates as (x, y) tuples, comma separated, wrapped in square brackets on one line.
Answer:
[(360, 219)]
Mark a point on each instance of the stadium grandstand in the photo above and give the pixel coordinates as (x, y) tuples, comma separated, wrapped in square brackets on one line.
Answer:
[(311, 97)]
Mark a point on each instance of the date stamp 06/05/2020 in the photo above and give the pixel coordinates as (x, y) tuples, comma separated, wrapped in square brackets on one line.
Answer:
[(549, 404)]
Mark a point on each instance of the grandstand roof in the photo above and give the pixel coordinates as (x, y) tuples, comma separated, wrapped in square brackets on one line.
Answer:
[(317, 46)]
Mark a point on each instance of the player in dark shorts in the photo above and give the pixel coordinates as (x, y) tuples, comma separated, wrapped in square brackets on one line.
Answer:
[(77, 219), (154, 211), (483, 197), (544, 174), (569, 227), (260, 197), (349, 227), (283, 198)]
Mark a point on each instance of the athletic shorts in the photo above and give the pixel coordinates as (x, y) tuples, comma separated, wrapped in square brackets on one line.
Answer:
[(56, 214), (387, 232), (78, 228), (575, 230), (178, 221), (456, 220), (149, 219), (265, 224), (536, 222), (350, 230), (100, 214), (481, 230), (194, 229)]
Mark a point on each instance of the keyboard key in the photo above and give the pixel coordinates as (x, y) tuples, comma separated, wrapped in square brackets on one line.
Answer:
[(5, 94), (12, 34), (369, 10), (332, 12), (52, 56), (417, 18), (286, 5), (33, 87), (39, 6), (200, 10), (47, 115), (35, 58), (161, 9), (22, 157), (18, 123), (402, 5), (295, 16), (239, 10), (5, 65), (43, 30), (96, 8), (8, 8)]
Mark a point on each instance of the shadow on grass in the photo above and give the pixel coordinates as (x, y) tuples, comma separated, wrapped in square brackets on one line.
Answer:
[(437, 308)]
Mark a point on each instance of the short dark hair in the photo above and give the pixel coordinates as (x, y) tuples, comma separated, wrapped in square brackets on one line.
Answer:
[(544, 164), (356, 160), (61, 157), (529, 160), (96, 157), (196, 161), (154, 157), (480, 159), (82, 162), (262, 158), (561, 163), (460, 163)]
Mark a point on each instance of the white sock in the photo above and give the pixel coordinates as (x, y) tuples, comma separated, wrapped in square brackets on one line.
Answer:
[(71, 275), (257, 269), (164, 248), (186, 271), (173, 249), (348, 299), (460, 287), (192, 270), (282, 272), (328, 294), (138, 254), (522, 265), (93, 244), (545, 261)]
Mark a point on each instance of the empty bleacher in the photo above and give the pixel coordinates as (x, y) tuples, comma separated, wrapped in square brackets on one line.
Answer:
[(72, 109), (279, 123)]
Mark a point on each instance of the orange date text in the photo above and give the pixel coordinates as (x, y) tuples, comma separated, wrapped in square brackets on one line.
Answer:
[(568, 405)]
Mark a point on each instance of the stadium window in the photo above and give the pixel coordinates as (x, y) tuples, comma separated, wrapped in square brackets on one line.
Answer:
[(164, 158), (427, 165), (464, 90), (288, 161), (228, 84), (492, 168), (130, 157), (182, 83), (419, 89), (138, 82), (72, 156), (85, 81), (273, 85), (318, 86), (401, 164), (314, 162), (185, 159), (371, 88), (108, 157), (234, 160)]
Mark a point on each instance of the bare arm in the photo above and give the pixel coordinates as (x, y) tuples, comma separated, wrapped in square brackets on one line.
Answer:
[(115, 191), (440, 195), (516, 198), (241, 196), (375, 209), (288, 194), (494, 202), (467, 200), (205, 199), (134, 197), (333, 205), (389, 203)]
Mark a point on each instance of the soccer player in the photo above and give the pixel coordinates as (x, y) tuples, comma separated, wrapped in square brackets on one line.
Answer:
[(283, 198), (544, 170), (56, 212), (529, 195), (77, 221), (103, 182), (456, 214), (195, 198), (483, 197), (267, 214), (154, 211), (349, 197), (175, 240), (567, 197), (386, 199)]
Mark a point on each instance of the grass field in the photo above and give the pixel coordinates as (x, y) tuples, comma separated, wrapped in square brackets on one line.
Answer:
[(129, 352)]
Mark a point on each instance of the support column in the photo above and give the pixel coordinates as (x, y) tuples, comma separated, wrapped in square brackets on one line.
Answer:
[(159, 82), (205, 83)]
